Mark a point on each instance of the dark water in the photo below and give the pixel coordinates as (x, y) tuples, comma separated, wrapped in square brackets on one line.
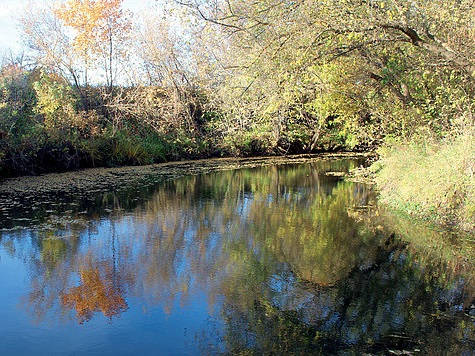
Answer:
[(275, 260)]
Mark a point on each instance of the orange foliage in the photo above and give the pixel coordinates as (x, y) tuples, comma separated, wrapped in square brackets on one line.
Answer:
[(95, 22), (97, 292)]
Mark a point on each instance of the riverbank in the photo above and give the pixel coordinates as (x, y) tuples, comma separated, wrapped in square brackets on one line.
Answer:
[(431, 180)]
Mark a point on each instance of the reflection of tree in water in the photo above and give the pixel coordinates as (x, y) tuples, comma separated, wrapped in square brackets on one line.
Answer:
[(386, 306), (292, 266), (98, 291)]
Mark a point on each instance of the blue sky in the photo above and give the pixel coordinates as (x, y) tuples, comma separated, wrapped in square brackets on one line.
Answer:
[(11, 9)]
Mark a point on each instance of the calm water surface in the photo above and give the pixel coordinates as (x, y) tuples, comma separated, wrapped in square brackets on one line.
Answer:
[(274, 260)]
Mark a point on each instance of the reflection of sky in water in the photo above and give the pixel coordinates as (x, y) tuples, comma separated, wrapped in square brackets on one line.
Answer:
[(141, 328), (212, 263)]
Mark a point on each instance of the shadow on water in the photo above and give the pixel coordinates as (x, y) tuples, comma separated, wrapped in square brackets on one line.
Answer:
[(289, 260)]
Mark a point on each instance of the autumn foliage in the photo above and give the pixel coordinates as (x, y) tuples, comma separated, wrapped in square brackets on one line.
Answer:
[(100, 30), (195, 79), (98, 292)]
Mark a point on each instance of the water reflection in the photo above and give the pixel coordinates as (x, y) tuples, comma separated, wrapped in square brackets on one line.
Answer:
[(289, 260), (99, 290)]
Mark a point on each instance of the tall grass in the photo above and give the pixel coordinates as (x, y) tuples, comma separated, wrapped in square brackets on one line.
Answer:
[(431, 179)]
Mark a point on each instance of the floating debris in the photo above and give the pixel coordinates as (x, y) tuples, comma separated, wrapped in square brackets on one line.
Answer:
[(335, 174)]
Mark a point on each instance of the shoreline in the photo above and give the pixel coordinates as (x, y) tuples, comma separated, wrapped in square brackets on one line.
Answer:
[(18, 192)]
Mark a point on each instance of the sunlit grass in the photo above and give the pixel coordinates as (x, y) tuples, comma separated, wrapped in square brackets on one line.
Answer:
[(431, 179)]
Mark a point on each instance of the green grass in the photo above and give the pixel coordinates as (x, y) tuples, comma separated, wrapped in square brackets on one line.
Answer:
[(430, 179)]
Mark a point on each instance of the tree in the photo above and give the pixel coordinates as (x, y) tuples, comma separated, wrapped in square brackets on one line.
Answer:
[(101, 30), (50, 44), (390, 66)]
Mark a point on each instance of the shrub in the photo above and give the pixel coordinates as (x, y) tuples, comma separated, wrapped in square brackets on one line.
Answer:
[(255, 142), (56, 103)]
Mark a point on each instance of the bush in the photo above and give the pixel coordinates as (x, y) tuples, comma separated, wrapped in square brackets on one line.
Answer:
[(256, 142), (430, 178)]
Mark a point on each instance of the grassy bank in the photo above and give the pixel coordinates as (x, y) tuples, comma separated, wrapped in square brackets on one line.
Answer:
[(430, 179)]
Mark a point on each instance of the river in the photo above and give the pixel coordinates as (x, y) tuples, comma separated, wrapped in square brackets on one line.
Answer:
[(282, 259)]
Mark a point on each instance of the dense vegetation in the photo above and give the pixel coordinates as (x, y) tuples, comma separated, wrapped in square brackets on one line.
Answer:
[(211, 77)]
